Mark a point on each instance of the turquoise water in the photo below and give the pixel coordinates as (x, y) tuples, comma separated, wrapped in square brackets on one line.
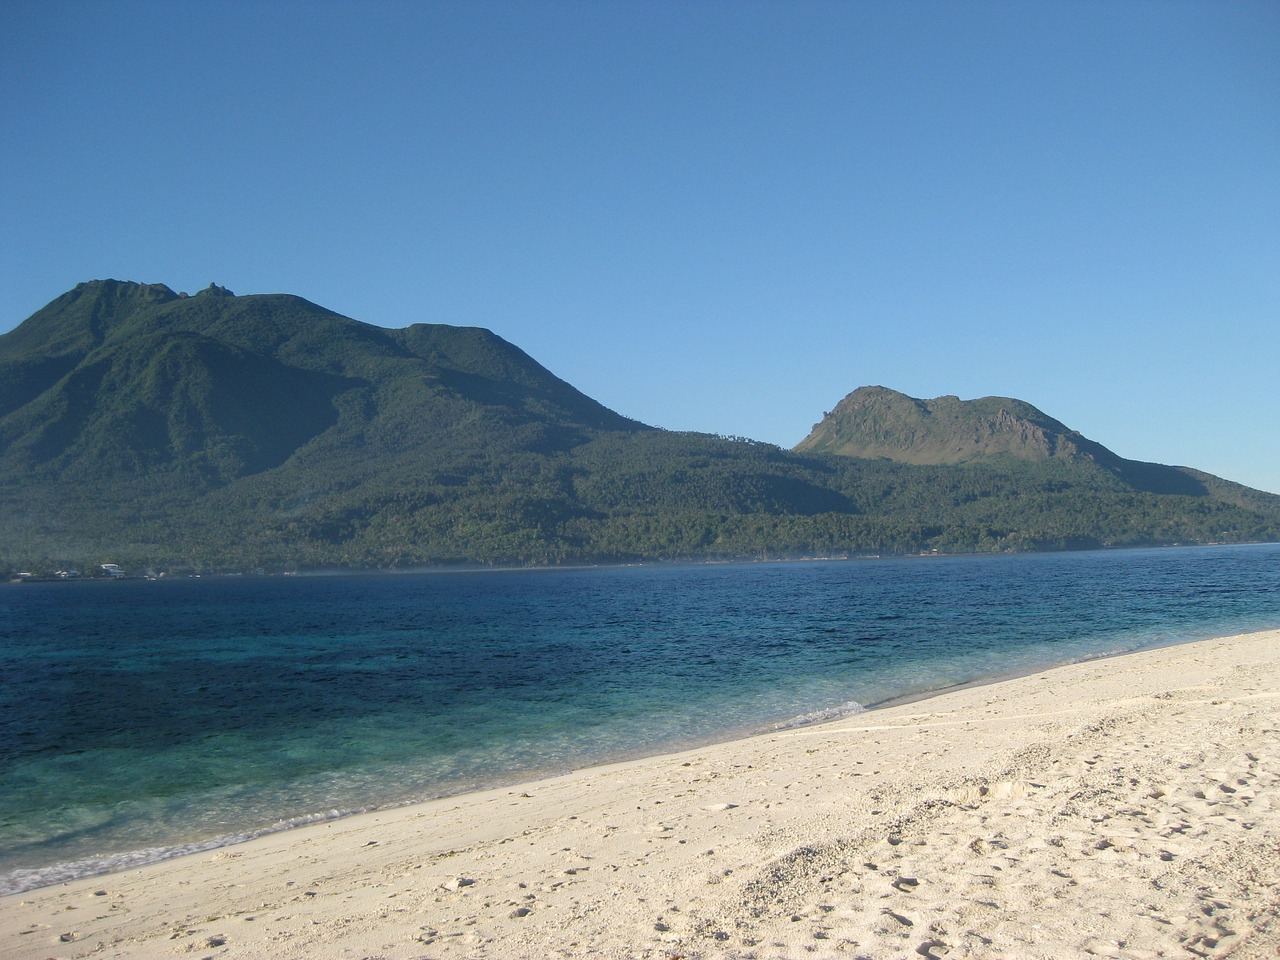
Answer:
[(143, 719)]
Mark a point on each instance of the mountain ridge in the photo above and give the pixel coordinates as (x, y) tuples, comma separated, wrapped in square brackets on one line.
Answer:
[(168, 372), (875, 421), (215, 431)]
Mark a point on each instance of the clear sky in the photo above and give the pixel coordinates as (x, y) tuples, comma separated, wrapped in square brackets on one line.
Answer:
[(706, 215)]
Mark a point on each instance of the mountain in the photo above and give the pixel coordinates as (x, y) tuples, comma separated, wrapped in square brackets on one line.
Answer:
[(115, 381), (874, 422), (879, 422), (212, 432)]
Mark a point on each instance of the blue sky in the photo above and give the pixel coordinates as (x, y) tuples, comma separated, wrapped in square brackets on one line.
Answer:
[(709, 216)]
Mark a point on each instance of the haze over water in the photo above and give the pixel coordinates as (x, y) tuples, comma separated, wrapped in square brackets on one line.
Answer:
[(142, 719)]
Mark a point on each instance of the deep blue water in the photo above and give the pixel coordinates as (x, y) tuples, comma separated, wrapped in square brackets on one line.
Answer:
[(140, 719)]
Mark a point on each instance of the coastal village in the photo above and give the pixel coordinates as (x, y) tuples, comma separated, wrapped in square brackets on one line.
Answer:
[(103, 571)]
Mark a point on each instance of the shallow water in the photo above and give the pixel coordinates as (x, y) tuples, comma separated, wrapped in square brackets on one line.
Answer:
[(141, 719)]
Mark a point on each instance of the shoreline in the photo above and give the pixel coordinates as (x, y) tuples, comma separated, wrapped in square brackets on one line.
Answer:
[(1118, 806), (102, 867), (430, 570)]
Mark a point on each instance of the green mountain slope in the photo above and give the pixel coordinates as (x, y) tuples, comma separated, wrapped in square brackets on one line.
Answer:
[(118, 381), (878, 422), (216, 432)]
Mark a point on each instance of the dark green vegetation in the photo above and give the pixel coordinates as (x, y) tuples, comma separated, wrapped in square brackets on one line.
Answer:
[(216, 432)]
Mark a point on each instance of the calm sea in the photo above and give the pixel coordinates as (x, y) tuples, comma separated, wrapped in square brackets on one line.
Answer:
[(139, 720)]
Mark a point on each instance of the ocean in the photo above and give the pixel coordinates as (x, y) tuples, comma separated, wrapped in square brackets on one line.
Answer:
[(144, 719)]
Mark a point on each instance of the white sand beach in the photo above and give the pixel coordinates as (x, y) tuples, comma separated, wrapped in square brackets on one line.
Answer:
[(1127, 807)]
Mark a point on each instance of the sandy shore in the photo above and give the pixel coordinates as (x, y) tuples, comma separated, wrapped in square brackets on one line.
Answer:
[(1119, 808)]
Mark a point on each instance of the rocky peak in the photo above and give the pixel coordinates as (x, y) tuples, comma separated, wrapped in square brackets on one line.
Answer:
[(876, 422)]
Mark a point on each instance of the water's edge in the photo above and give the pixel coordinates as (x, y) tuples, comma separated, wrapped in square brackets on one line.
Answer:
[(24, 880)]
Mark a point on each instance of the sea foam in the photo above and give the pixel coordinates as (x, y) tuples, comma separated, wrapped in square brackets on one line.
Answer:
[(822, 716), (24, 879)]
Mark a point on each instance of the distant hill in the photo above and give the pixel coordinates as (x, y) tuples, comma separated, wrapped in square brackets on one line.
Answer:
[(874, 422), (879, 422), (211, 432)]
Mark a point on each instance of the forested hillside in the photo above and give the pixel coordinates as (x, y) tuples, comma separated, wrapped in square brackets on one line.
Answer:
[(215, 433)]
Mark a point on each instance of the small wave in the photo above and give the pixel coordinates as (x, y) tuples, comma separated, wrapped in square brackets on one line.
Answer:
[(23, 879), (822, 716)]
